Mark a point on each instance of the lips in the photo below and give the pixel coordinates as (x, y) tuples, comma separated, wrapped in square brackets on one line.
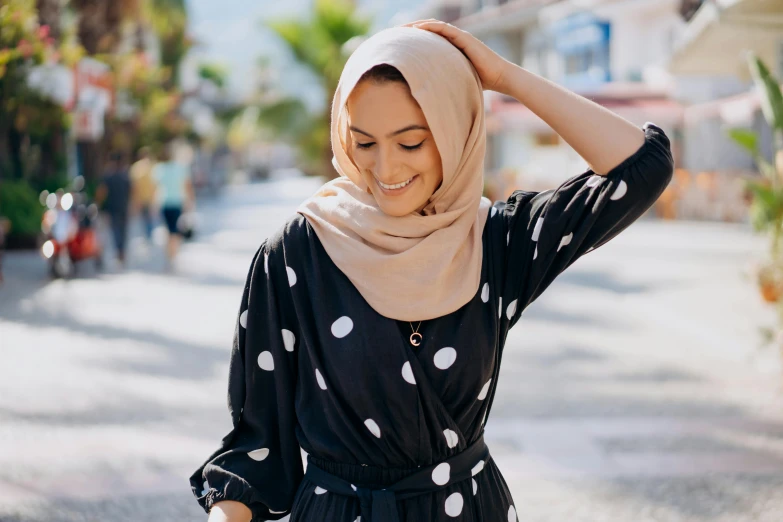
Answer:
[(396, 186), (397, 192)]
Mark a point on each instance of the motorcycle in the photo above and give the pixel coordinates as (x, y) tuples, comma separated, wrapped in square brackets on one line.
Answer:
[(70, 231)]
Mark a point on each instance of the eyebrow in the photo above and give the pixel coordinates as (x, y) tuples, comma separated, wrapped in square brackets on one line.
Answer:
[(395, 133)]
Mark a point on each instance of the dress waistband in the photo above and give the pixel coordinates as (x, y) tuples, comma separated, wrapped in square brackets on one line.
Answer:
[(380, 505)]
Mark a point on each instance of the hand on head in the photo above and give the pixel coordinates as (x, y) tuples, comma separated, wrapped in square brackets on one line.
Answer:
[(489, 65)]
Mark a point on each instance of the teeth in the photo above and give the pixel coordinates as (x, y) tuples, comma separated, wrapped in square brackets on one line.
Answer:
[(394, 187)]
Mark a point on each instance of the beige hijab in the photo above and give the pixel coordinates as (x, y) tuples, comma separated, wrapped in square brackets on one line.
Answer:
[(418, 266)]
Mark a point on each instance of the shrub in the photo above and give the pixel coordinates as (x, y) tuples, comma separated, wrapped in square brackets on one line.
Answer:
[(19, 203)]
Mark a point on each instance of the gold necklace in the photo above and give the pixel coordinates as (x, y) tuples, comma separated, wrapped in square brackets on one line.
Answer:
[(416, 337)]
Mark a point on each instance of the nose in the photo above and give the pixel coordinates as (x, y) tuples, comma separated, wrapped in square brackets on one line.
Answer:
[(386, 169)]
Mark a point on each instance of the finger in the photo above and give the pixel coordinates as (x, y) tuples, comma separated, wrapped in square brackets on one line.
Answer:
[(454, 34), (440, 28), (410, 24)]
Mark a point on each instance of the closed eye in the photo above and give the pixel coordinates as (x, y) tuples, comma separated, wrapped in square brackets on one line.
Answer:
[(413, 147), (405, 147)]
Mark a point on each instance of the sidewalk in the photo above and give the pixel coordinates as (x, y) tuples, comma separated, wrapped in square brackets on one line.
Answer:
[(631, 391)]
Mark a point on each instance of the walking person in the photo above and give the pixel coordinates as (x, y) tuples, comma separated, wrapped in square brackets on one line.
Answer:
[(372, 324), (113, 197), (144, 189), (175, 195)]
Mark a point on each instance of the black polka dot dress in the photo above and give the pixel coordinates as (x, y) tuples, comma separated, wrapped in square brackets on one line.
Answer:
[(394, 432)]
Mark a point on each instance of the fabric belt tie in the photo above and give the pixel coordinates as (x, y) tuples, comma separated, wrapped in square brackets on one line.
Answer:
[(380, 505)]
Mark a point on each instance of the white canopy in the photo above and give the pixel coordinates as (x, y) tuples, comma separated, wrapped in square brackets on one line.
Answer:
[(723, 31)]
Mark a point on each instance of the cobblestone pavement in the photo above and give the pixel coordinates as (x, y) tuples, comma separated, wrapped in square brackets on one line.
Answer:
[(633, 390)]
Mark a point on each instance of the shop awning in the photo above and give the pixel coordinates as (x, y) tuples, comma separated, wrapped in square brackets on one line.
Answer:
[(721, 33)]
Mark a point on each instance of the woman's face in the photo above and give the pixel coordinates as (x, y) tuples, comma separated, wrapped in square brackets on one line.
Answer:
[(393, 147)]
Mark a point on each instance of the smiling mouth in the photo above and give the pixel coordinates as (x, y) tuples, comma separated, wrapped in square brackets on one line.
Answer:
[(396, 186)]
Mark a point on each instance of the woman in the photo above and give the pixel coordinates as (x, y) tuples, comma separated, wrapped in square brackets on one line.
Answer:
[(175, 194), (372, 324)]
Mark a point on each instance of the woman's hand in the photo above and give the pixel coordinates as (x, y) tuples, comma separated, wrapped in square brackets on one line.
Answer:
[(491, 67)]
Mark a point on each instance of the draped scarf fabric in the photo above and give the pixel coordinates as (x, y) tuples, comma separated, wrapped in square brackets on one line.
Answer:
[(422, 265)]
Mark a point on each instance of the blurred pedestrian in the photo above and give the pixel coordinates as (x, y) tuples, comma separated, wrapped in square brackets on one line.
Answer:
[(175, 195), (143, 190), (113, 196)]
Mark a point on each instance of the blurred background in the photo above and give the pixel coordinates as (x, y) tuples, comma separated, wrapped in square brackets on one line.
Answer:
[(644, 385)]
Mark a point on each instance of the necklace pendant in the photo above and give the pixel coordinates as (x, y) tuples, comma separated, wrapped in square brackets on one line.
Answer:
[(416, 339)]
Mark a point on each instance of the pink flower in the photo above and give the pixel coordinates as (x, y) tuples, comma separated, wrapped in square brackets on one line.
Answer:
[(25, 48), (43, 32)]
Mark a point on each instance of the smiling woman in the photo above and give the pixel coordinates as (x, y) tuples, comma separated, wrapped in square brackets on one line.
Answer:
[(391, 144), (326, 357)]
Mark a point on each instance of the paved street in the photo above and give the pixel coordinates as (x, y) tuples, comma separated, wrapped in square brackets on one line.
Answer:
[(633, 390)]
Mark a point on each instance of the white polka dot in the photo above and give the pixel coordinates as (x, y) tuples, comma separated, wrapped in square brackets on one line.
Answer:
[(266, 263), (537, 229), (320, 379), (500, 307), (594, 181), (373, 427), (265, 361), (512, 514), (484, 391), (276, 512), (353, 487), (319, 490), (475, 486), (485, 292), (493, 212), (259, 454), (620, 191), (291, 276), (441, 474), (511, 309), (342, 327), (407, 373), (243, 319), (477, 468), (565, 241), (508, 238), (454, 505), (204, 488), (452, 439), (288, 339), (535, 253), (445, 357)]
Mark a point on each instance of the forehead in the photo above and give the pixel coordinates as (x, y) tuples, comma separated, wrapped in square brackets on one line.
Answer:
[(383, 106)]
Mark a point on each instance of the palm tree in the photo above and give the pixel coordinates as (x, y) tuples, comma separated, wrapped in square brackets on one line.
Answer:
[(49, 12), (169, 19), (100, 22), (319, 45)]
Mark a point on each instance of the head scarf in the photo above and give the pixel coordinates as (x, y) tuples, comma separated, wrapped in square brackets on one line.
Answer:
[(421, 265)]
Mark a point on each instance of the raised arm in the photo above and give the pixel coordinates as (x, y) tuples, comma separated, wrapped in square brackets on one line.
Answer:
[(572, 116)]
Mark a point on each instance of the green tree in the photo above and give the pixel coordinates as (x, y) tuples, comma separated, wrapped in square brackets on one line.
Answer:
[(27, 119), (169, 20), (319, 45)]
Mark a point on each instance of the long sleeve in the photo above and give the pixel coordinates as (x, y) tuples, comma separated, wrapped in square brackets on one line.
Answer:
[(259, 461), (547, 231)]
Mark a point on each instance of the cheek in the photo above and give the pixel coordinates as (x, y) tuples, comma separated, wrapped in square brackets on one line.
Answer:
[(430, 164)]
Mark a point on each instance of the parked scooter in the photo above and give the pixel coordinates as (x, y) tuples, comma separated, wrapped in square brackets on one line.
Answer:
[(70, 229)]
